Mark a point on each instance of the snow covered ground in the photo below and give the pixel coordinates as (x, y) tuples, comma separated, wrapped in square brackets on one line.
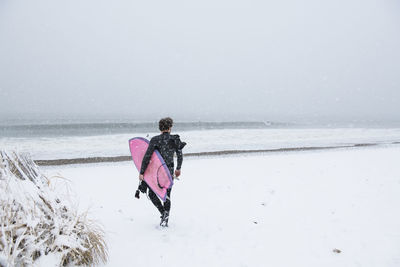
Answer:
[(278, 209)]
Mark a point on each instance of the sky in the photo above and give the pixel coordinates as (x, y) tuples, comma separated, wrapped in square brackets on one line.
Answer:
[(215, 60)]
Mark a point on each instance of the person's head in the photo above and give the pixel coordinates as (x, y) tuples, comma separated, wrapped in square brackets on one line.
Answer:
[(165, 124)]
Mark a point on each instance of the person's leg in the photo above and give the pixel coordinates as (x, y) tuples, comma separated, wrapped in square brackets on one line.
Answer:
[(156, 201), (167, 207), (167, 203)]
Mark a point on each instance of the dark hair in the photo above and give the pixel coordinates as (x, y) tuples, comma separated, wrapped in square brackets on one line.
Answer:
[(165, 123)]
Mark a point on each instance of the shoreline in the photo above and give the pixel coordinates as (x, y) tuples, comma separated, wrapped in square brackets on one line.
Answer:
[(89, 160)]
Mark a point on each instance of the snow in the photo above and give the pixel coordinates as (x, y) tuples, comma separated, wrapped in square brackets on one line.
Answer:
[(199, 141), (35, 221), (279, 209)]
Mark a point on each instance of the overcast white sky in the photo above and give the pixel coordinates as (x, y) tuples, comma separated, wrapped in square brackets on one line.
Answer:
[(283, 60)]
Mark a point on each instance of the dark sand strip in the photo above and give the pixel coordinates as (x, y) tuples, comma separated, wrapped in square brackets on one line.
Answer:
[(57, 162)]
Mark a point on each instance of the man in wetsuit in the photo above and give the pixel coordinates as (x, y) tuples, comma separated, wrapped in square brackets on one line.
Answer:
[(167, 145)]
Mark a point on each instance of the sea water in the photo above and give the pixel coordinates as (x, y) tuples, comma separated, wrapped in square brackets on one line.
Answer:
[(105, 139)]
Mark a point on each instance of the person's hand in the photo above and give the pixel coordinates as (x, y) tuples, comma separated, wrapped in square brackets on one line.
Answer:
[(141, 177), (177, 173)]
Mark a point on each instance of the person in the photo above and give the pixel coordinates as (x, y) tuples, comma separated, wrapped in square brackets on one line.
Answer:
[(167, 145)]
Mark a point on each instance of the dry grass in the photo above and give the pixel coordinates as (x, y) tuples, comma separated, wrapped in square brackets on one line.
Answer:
[(35, 222)]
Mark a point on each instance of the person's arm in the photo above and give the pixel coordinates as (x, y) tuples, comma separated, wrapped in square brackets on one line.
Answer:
[(179, 162), (179, 156), (147, 156)]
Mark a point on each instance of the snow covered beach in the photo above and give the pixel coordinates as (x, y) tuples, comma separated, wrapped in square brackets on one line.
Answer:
[(299, 207), (286, 209)]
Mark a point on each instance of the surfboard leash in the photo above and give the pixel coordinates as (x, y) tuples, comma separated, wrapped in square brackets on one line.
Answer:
[(158, 183)]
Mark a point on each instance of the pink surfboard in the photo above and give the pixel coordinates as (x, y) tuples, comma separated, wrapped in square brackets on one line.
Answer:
[(157, 175)]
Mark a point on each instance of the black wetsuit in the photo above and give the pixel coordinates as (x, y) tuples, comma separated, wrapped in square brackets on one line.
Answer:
[(167, 145)]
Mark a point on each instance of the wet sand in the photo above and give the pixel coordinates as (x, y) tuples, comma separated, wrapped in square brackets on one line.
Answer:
[(58, 162)]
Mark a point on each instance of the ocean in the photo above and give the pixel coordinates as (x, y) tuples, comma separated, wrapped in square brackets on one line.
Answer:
[(108, 128), (52, 141)]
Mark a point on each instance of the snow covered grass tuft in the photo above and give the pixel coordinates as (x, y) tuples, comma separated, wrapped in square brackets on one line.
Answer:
[(36, 222)]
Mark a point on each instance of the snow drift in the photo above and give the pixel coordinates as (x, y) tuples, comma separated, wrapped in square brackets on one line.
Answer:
[(36, 223)]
